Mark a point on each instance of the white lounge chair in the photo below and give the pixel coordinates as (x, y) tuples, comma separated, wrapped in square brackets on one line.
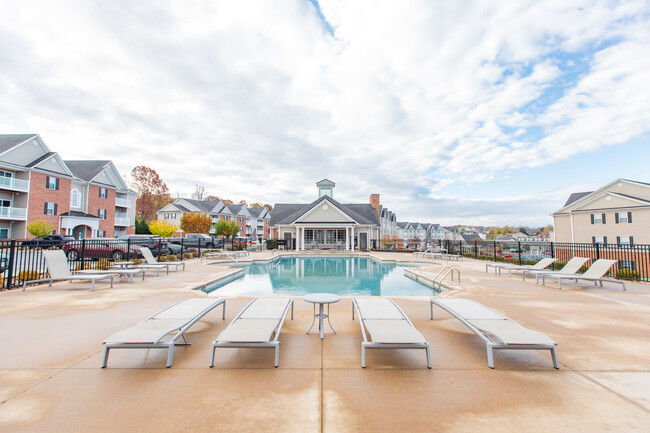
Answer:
[(258, 325), (59, 270), (498, 331), (541, 265), (571, 268), (387, 327), (153, 264), (595, 273), (220, 254), (124, 272), (151, 332)]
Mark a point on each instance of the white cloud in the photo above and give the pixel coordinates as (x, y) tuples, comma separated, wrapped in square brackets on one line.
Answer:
[(256, 100)]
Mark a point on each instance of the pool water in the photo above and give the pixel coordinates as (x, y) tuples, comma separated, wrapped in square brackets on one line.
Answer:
[(344, 276)]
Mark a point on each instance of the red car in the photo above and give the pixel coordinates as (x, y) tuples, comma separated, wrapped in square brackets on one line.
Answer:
[(99, 248)]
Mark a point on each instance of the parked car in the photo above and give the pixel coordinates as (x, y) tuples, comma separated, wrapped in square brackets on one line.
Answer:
[(51, 241), (100, 248), (194, 240), (153, 242)]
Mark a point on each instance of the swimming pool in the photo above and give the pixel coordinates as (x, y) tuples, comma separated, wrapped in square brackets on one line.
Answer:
[(298, 276)]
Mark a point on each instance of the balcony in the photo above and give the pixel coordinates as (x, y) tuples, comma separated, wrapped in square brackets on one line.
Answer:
[(14, 184), (13, 213), (122, 222), (123, 202)]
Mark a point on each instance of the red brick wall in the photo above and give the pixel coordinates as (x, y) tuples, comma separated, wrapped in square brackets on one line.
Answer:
[(95, 203), (39, 194)]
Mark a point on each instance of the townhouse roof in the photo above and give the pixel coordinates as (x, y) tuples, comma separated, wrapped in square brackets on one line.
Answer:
[(40, 159), (86, 170), (7, 141), (287, 213), (255, 211), (576, 196), (235, 208), (402, 225), (470, 237), (206, 206)]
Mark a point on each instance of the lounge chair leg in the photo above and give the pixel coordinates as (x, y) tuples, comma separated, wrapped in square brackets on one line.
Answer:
[(212, 358), (111, 282), (106, 349), (428, 357), (277, 354), (554, 357), (559, 283), (92, 286), (170, 356), (431, 308), (291, 310), (223, 312), (490, 356), (363, 356)]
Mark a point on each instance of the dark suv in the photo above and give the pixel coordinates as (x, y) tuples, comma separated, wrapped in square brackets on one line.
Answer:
[(51, 241), (153, 242)]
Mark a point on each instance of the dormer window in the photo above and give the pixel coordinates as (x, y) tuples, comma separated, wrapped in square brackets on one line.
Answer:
[(75, 198), (325, 188)]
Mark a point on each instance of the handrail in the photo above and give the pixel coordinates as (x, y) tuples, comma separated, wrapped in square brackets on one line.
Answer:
[(450, 269)]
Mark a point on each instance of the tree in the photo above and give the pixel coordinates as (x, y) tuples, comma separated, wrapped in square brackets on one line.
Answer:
[(196, 222), (141, 227), (268, 207), (523, 230), (40, 228), (199, 192), (244, 203), (256, 206), (211, 198), (162, 228), (153, 194), (227, 202)]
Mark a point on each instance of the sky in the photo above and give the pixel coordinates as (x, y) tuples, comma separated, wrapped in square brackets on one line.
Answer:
[(455, 112)]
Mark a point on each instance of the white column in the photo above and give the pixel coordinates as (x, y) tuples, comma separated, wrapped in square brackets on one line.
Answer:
[(347, 240), (302, 239), (352, 237)]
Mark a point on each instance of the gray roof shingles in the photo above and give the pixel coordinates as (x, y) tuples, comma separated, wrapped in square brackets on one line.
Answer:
[(86, 170), (7, 141)]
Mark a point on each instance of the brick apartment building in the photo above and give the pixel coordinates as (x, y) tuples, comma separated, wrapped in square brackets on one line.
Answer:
[(80, 198)]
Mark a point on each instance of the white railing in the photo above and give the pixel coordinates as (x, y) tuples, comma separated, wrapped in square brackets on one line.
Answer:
[(123, 222), (123, 202), (13, 183), (13, 213)]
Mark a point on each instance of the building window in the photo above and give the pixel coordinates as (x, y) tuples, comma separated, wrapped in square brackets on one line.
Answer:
[(101, 233), (5, 203), (623, 217), (598, 218), (602, 240), (625, 240), (4, 233), (103, 193), (101, 213), (49, 208), (75, 198), (51, 182)]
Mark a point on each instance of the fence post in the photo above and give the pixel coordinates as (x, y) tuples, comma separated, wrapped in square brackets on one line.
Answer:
[(182, 248), (200, 246), (494, 250), (519, 251), (476, 250), (83, 254), (10, 270), (159, 249), (128, 249), (552, 255), (597, 251)]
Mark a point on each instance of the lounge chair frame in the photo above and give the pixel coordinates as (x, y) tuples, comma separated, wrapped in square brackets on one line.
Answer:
[(168, 344), (51, 255), (491, 342), (273, 343), (365, 344), (578, 262), (510, 268), (153, 264), (586, 277)]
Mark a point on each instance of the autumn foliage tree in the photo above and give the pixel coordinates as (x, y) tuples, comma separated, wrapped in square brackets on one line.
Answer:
[(153, 194), (196, 222), (40, 228), (162, 228)]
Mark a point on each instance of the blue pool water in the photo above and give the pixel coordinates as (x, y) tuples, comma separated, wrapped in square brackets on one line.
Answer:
[(344, 276)]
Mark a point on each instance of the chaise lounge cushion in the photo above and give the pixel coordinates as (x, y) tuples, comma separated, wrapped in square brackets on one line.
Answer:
[(150, 331), (378, 309), (249, 331), (392, 331), (509, 332)]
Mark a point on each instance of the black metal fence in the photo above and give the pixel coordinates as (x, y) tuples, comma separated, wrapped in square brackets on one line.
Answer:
[(22, 261), (632, 261)]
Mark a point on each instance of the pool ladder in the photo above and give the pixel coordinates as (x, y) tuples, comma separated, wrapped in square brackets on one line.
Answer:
[(450, 270)]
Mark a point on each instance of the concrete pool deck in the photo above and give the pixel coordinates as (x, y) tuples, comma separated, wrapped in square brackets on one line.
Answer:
[(51, 351)]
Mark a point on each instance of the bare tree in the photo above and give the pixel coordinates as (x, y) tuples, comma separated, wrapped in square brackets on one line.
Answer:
[(199, 192)]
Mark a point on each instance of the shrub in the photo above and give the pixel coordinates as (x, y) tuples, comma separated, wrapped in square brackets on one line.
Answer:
[(178, 256), (103, 265), (40, 228), (271, 244), (558, 265), (28, 275), (187, 256), (583, 269), (171, 257), (195, 254), (162, 259), (628, 274), (137, 261)]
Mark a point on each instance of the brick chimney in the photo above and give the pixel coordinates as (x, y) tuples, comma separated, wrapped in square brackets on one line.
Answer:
[(374, 202)]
